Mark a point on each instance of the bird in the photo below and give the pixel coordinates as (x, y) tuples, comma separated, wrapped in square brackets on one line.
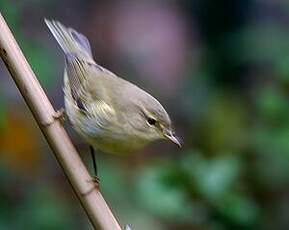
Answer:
[(110, 113)]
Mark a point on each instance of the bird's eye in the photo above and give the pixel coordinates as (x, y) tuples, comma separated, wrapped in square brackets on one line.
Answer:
[(151, 121)]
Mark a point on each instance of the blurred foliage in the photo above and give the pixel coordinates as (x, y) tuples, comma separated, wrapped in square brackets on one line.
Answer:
[(222, 70), (38, 54), (31, 205), (2, 114)]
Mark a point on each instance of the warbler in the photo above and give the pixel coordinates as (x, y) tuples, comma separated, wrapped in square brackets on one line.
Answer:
[(110, 113)]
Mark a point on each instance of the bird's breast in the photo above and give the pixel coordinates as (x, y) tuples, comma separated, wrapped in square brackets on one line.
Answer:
[(122, 144)]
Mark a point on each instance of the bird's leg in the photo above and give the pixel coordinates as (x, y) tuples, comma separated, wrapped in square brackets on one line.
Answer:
[(95, 177)]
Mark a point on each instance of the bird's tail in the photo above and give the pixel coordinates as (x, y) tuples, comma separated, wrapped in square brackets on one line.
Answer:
[(70, 41)]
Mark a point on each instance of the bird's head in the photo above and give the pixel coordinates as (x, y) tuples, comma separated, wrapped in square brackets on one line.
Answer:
[(153, 122)]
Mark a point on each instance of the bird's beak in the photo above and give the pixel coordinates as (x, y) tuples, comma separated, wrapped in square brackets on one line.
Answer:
[(172, 137)]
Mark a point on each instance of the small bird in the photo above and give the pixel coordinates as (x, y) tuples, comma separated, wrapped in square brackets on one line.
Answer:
[(110, 113)]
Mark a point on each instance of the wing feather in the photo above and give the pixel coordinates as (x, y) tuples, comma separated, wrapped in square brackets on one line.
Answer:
[(96, 112)]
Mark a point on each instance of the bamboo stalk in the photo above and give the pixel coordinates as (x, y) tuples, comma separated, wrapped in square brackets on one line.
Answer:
[(90, 198)]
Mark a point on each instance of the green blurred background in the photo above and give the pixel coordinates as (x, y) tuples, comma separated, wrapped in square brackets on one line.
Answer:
[(221, 69)]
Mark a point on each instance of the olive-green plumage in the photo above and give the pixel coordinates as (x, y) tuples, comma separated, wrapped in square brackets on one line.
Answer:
[(109, 112)]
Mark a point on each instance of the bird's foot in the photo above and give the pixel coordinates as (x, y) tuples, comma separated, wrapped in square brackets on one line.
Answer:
[(95, 180), (60, 115)]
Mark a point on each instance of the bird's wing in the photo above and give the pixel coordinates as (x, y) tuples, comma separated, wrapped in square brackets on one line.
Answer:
[(85, 85)]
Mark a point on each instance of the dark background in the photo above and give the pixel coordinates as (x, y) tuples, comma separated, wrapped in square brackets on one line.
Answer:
[(220, 68)]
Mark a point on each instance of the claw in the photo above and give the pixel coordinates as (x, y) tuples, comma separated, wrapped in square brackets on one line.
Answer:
[(95, 181), (60, 115)]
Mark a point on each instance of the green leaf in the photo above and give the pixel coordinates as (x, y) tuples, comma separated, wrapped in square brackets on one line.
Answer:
[(272, 103), (238, 209), (162, 199), (215, 177)]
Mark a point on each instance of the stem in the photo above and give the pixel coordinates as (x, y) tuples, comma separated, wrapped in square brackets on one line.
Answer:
[(89, 196)]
